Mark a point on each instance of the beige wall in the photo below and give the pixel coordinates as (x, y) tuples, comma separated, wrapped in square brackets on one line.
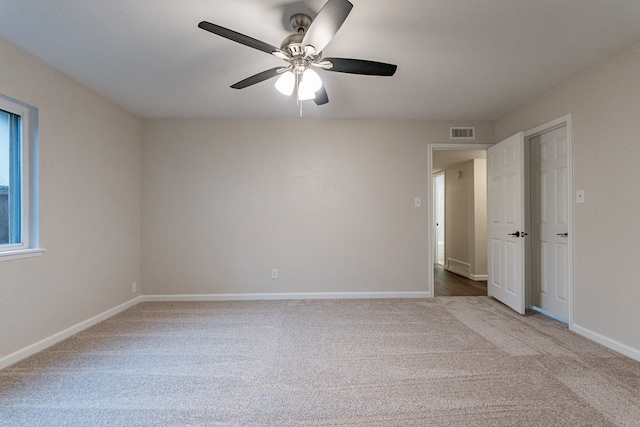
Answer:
[(605, 106), (328, 203), (89, 207), (480, 217), (465, 216)]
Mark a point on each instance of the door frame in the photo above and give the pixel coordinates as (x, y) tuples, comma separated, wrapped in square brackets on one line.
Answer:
[(565, 120), (430, 183)]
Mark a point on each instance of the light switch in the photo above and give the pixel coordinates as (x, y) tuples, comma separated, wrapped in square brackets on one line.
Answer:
[(580, 196), (417, 202)]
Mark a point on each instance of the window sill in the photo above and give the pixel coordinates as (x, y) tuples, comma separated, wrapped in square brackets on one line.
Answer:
[(19, 254)]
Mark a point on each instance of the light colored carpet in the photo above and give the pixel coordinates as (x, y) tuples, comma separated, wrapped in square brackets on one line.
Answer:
[(466, 361)]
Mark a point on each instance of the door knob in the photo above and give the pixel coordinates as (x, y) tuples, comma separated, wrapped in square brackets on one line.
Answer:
[(517, 234), (563, 234)]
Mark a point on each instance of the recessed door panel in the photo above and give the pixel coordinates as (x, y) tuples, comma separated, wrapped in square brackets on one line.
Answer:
[(561, 197), (562, 272), (543, 284), (495, 253)]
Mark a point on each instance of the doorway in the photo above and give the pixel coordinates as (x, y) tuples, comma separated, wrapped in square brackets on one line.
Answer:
[(451, 254)]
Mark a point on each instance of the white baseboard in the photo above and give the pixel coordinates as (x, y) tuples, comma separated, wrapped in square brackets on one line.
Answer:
[(474, 277), (459, 267), (56, 338), (463, 269), (286, 296), (607, 342)]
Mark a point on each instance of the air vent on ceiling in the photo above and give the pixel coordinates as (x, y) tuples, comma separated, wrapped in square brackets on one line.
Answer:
[(462, 133)]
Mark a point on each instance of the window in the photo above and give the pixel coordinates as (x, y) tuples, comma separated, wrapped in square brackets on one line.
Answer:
[(10, 173), (18, 180)]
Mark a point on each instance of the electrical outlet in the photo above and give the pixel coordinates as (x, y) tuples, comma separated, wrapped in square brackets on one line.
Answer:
[(134, 287), (417, 202), (274, 273)]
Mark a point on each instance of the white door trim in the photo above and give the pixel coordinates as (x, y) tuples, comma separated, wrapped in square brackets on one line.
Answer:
[(430, 216), (546, 127)]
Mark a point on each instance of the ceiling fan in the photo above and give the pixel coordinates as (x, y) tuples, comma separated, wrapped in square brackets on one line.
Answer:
[(302, 50)]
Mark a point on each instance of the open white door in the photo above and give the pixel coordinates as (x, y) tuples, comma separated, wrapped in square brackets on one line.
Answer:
[(505, 216)]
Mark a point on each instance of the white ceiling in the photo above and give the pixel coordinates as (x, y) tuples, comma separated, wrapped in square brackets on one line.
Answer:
[(457, 59)]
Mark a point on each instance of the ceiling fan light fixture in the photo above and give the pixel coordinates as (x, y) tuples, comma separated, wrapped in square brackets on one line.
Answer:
[(303, 49), (304, 92), (286, 83), (312, 79), (310, 83)]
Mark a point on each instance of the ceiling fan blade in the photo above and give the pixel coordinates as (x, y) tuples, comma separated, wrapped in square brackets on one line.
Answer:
[(237, 37), (326, 24), (260, 77), (321, 96), (358, 66)]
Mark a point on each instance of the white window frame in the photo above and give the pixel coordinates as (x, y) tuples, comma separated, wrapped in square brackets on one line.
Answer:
[(29, 245)]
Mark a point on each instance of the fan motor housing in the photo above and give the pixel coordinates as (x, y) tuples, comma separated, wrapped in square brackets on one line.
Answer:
[(292, 44), (292, 41), (300, 22)]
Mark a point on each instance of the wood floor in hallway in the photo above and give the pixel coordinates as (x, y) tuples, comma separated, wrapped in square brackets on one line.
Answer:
[(448, 284)]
